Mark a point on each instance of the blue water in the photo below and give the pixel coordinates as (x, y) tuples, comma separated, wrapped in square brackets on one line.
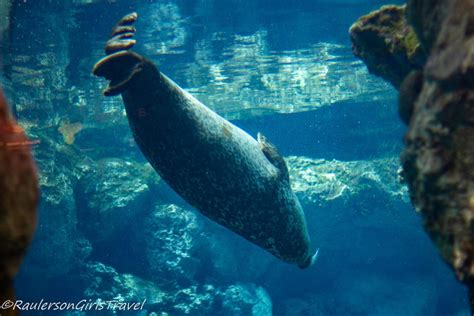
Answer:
[(110, 230)]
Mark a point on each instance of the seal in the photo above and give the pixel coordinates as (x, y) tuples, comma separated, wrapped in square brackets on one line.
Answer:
[(231, 178)]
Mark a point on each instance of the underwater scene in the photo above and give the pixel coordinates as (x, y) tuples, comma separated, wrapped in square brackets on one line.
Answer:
[(144, 210)]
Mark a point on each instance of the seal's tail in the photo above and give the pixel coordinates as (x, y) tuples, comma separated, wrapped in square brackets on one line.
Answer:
[(120, 65)]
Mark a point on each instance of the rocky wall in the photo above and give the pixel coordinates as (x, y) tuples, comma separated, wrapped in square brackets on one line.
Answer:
[(436, 102), (5, 10)]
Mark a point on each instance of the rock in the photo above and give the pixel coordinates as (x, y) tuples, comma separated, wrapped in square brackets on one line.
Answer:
[(245, 300), (387, 44), (104, 284), (320, 181), (240, 299), (5, 8), (232, 257), (18, 202), (426, 18), (438, 161), (409, 92), (171, 239), (57, 239), (111, 194), (195, 300)]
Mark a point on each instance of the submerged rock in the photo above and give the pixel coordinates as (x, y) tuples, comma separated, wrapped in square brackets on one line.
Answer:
[(58, 246), (387, 44), (320, 181), (195, 300), (105, 283), (171, 237), (241, 300), (111, 194)]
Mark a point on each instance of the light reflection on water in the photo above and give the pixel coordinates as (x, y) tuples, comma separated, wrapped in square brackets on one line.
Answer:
[(238, 74)]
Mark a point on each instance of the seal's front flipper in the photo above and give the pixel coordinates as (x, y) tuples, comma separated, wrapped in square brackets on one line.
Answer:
[(271, 152)]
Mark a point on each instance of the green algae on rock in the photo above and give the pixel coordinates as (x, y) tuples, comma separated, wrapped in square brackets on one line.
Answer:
[(387, 44), (426, 17)]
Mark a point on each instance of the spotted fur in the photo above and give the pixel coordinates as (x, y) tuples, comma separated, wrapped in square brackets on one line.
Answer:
[(214, 165)]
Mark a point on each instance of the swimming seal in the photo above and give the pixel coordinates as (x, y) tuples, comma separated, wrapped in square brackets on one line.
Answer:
[(231, 178)]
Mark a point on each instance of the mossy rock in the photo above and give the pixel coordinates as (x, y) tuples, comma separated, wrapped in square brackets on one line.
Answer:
[(387, 44)]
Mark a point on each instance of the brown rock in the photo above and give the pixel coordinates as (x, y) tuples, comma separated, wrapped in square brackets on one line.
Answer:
[(387, 44), (409, 92), (18, 199), (438, 160), (426, 17), (437, 102)]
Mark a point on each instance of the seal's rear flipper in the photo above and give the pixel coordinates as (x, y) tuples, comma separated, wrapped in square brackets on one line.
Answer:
[(128, 19), (122, 29), (122, 33), (119, 68), (310, 261), (120, 42), (121, 65)]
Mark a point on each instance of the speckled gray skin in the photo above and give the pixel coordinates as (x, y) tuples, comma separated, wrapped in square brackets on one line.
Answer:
[(215, 166)]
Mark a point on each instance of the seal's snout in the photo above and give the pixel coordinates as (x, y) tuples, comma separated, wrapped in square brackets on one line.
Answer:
[(310, 260)]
